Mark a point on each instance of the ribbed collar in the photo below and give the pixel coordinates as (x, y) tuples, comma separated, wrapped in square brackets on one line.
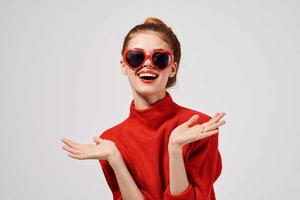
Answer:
[(154, 116)]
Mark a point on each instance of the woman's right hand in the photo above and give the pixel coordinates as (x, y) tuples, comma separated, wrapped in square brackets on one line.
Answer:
[(102, 150)]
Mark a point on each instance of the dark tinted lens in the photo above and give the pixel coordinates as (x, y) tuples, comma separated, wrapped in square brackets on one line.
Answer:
[(161, 60), (135, 58)]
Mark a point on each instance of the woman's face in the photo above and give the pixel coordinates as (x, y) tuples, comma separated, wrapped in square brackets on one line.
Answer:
[(148, 41)]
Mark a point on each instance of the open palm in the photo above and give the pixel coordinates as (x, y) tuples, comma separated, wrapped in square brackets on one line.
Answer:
[(189, 132), (101, 150)]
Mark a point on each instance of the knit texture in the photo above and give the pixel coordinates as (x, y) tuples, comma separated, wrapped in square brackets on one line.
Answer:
[(142, 138)]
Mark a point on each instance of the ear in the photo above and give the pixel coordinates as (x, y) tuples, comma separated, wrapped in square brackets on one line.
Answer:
[(173, 70), (123, 68)]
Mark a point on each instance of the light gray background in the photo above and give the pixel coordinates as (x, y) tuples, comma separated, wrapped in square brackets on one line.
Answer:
[(60, 77)]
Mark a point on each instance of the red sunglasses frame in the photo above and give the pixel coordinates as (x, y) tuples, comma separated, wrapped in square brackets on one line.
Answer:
[(148, 56)]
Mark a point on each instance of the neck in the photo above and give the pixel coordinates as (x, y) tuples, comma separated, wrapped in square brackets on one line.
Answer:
[(142, 101)]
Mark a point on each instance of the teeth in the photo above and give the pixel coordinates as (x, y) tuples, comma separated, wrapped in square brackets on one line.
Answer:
[(147, 75)]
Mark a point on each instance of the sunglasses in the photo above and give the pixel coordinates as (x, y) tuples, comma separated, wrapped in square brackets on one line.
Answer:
[(136, 58)]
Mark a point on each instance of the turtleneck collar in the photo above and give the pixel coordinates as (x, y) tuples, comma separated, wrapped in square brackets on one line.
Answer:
[(154, 116)]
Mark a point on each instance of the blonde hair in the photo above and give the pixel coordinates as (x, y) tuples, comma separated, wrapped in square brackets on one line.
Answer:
[(153, 20)]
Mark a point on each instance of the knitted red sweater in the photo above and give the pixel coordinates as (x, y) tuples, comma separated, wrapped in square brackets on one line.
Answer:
[(142, 138)]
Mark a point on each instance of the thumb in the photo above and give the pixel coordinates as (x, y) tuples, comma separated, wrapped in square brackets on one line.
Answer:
[(192, 120), (97, 139)]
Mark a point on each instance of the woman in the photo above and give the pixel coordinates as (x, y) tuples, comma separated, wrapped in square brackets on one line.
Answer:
[(161, 150)]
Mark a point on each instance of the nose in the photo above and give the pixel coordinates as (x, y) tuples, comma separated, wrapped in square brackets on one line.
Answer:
[(147, 62)]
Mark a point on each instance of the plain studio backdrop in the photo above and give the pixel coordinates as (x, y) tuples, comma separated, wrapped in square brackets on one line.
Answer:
[(60, 77)]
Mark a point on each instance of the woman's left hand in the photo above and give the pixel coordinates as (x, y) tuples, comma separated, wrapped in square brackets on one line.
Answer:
[(188, 132)]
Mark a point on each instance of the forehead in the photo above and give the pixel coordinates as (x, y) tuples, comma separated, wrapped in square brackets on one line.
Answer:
[(148, 41)]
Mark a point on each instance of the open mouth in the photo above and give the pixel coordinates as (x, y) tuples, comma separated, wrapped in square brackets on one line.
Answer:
[(147, 76)]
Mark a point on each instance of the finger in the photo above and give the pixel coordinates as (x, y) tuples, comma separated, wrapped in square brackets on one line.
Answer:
[(188, 138), (208, 134), (70, 143), (66, 142), (78, 157), (192, 120), (71, 150), (216, 118), (199, 135), (97, 139), (214, 126)]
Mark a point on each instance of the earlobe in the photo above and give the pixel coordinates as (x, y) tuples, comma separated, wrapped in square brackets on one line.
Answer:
[(123, 68)]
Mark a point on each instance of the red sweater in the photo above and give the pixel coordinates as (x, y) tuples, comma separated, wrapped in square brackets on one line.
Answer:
[(142, 138)]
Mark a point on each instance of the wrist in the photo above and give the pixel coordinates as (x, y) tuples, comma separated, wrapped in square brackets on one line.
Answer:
[(174, 149)]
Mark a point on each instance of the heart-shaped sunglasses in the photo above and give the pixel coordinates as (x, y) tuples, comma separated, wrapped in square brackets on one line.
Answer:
[(160, 58)]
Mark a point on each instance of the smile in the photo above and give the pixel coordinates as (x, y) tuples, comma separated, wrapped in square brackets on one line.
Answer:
[(147, 76)]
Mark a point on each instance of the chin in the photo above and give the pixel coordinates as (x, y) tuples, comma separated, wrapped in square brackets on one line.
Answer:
[(148, 90)]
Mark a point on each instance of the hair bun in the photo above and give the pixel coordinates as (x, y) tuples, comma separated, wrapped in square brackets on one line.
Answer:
[(153, 20)]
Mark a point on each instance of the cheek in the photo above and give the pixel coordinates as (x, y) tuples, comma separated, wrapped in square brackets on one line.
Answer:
[(166, 73), (164, 78), (131, 75)]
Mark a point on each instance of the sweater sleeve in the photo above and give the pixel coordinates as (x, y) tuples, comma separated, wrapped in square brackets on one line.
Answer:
[(203, 167), (111, 179), (113, 184)]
